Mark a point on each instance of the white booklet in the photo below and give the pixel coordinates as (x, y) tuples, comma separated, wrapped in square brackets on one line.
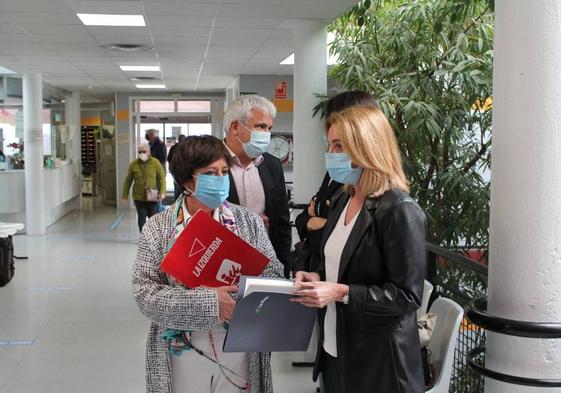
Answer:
[(258, 284)]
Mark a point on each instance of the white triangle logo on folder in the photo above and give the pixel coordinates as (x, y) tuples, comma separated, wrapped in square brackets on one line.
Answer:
[(196, 248)]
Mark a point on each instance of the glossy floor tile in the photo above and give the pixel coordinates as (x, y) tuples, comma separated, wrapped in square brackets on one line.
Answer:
[(68, 322)]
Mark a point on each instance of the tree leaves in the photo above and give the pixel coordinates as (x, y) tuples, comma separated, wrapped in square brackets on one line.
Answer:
[(429, 62)]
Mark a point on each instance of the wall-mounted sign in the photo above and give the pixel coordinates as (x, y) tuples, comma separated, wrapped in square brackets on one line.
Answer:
[(280, 90)]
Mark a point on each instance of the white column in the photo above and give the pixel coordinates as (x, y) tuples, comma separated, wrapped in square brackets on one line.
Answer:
[(73, 120), (310, 78), (216, 116), (525, 242), (33, 142)]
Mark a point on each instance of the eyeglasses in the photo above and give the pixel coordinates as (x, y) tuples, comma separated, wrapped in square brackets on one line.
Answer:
[(142, 151)]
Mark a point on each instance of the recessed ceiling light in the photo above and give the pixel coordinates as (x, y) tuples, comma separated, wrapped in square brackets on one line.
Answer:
[(331, 59), (140, 68), (4, 70), (151, 86), (288, 60), (111, 20)]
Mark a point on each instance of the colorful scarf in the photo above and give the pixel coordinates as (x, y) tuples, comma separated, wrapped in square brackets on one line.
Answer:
[(181, 217)]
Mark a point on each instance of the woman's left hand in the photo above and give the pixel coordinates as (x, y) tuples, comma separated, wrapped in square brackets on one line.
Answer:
[(319, 293)]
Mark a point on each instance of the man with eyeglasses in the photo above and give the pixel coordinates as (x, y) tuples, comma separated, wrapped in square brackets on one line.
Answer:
[(257, 177)]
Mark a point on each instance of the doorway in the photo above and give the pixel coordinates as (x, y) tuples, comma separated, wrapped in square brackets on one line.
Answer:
[(170, 118)]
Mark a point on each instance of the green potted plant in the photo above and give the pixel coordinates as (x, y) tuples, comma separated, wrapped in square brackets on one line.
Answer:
[(16, 159)]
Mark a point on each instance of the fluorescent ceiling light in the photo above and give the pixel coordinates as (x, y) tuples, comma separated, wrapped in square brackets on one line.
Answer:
[(331, 59), (289, 60), (5, 71), (151, 86), (140, 68), (111, 20)]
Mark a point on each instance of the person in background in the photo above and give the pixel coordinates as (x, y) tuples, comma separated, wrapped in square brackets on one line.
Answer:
[(184, 347), (178, 189), (158, 150), (157, 147), (369, 282), (311, 221), (257, 177), (2, 156), (144, 173)]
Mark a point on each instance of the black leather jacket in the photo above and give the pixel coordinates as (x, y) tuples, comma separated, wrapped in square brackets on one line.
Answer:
[(383, 262)]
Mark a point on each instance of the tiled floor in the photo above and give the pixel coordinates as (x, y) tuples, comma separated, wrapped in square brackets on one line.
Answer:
[(68, 322)]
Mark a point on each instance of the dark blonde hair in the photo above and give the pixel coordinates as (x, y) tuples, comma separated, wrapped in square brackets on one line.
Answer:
[(367, 137)]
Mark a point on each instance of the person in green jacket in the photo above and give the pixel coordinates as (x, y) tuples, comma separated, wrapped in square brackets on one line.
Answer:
[(148, 181)]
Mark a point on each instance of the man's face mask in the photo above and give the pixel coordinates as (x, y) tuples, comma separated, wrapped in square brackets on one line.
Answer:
[(257, 144)]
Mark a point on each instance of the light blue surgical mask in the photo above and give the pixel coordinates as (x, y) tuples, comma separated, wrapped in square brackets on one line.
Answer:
[(258, 143), (340, 168), (212, 190)]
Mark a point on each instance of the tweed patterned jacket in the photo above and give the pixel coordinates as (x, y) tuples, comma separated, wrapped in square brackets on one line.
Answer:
[(196, 309)]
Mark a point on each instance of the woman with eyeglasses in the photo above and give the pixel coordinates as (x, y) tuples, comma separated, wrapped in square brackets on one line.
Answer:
[(184, 348), (148, 181), (369, 282)]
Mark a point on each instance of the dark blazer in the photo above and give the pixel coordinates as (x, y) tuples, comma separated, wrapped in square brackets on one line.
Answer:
[(158, 150), (276, 204), (383, 263), (326, 198)]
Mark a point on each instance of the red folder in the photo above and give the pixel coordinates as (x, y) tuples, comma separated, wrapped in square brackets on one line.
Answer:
[(207, 253)]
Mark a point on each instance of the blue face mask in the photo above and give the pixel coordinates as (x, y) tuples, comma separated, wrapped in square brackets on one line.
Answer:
[(340, 169), (258, 144), (212, 190)]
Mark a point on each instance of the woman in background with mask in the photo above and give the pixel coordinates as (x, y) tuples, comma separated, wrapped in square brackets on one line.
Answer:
[(187, 332), (143, 175), (369, 282)]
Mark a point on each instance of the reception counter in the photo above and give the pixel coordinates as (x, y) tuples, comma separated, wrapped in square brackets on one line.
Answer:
[(62, 191)]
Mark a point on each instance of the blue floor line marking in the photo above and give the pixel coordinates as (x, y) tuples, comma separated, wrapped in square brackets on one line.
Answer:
[(117, 221), (77, 257), (50, 289), (13, 343)]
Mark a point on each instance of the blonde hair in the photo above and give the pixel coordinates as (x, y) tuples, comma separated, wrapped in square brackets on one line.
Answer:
[(367, 137)]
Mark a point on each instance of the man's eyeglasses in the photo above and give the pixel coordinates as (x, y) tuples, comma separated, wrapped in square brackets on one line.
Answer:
[(141, 151)]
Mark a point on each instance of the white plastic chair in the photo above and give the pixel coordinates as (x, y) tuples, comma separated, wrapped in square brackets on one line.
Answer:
[(443, 341), (427, 291)]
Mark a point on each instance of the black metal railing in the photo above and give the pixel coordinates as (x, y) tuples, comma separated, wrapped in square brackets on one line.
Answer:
[(476, 312), (462, 280)]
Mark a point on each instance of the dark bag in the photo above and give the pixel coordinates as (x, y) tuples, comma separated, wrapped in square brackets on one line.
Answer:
[(7, 267), (428, 368), (425, 325), (300, 258)]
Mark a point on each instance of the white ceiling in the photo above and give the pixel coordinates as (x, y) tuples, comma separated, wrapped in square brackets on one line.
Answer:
[(46, 36)]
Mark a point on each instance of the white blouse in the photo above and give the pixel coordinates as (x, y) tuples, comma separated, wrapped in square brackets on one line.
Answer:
[(333, 251)]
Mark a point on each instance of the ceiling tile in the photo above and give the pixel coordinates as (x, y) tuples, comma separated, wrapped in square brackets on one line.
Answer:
[(44, 18), (180, 31), (50, 6), (173, 21), (180, 9), (107, 7), (241, 32), (237, 22), (130, 31), (43, 28)]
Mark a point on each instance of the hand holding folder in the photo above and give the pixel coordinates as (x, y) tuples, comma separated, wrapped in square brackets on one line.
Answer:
[(265, 320), (206, 253)]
